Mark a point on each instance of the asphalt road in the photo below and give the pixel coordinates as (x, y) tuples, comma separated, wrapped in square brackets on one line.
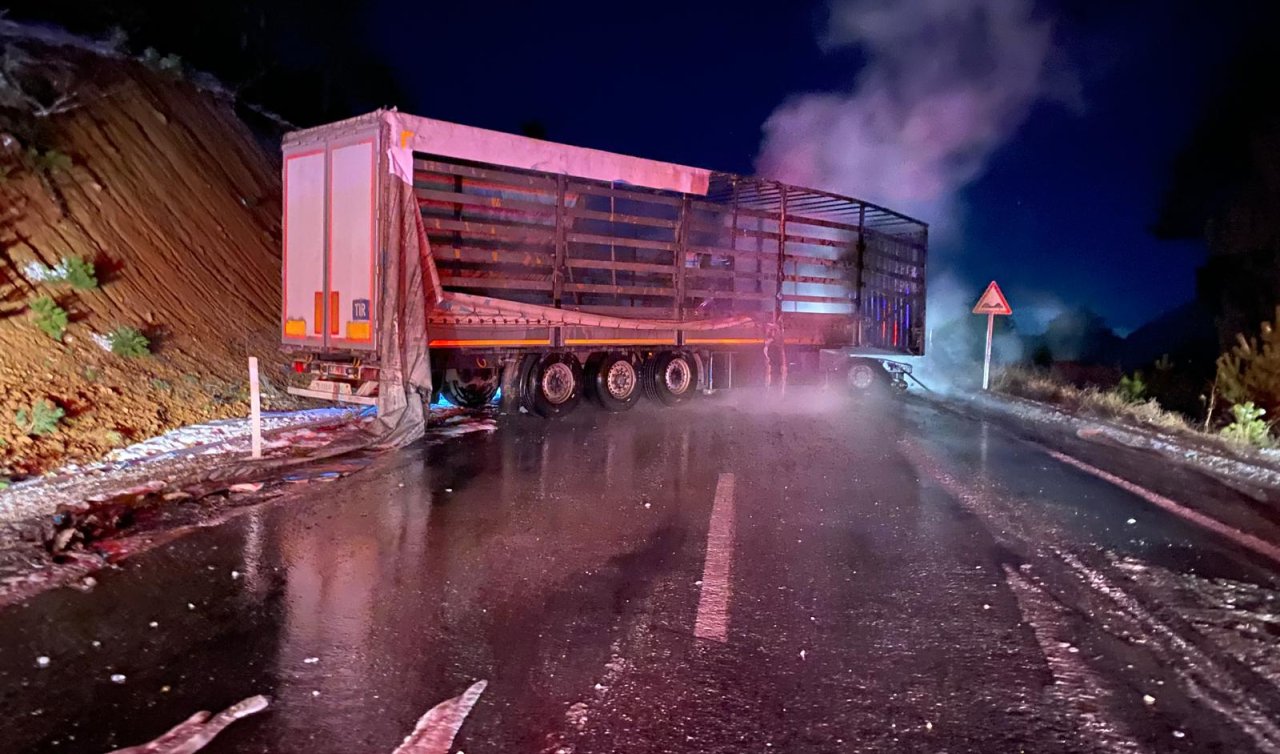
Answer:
[(735, 575)]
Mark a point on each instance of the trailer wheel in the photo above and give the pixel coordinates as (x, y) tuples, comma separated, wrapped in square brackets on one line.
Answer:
[(670, 377), (552, 385), (613, 382), (470, 388), (864, 376)]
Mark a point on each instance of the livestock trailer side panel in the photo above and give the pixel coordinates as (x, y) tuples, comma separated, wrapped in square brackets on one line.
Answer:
[(835, 271)]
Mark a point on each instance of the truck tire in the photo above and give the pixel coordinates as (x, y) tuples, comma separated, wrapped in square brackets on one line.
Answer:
[(469, 389), (865, 377), (613, 382), (670, 377), (551, 385)]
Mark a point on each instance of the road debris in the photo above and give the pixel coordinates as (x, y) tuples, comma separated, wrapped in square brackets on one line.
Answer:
[(197, 731), (436, 730)]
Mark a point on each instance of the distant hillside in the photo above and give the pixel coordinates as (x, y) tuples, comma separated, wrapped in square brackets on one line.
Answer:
[(1185, 334), (130, 166)]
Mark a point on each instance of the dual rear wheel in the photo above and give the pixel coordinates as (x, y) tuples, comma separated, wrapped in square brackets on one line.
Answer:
[(554, 384)]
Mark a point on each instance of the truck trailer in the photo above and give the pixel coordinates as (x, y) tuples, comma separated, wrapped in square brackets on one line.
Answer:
[(423, 258)]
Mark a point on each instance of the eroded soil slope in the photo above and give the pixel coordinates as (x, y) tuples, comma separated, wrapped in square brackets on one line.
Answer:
[(168, 193)]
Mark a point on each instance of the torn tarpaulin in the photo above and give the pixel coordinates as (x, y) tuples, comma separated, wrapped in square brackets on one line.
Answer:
[(409, 278)]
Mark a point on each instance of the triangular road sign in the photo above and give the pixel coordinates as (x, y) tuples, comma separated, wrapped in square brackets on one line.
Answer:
[(992, 302)]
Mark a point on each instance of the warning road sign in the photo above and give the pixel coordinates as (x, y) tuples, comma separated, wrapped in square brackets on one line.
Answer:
[(992, 302)]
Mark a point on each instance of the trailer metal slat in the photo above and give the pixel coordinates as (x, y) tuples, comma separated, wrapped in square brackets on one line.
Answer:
[(526, 233), (736, 295), (631, 193), (605, 264), (503, 175), (643, 312), (621, 290), (481, 256), (457, 281), (601, 240), (485, 202), (612, 217)]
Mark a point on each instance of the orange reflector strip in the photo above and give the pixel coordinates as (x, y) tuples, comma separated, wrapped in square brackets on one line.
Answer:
[(723, 341), (474, 343), (295, 328), (619, 341), (319, 312), (333, 313)]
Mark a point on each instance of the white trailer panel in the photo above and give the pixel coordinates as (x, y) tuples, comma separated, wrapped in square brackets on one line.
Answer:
[(304, 248)]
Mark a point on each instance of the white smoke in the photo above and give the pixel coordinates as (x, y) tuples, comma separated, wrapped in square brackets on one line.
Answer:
[(945, 84)]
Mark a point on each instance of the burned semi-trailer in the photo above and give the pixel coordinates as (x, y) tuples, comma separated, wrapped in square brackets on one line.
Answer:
[(428, 256)]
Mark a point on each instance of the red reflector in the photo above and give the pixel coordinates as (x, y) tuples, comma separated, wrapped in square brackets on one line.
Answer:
[(299, 366)]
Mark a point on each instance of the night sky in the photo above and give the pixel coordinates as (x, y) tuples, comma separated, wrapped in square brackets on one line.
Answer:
[(1056, 204), (1060, 215)]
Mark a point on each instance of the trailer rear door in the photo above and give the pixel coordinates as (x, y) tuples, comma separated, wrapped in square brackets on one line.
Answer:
[(331, 241)]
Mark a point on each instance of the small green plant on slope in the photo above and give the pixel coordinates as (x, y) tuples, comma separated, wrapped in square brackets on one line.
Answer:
[(79, 272), (129, 342), (49, 317), (1248, 427), (41, 419), (1132, 389), (48, 161)]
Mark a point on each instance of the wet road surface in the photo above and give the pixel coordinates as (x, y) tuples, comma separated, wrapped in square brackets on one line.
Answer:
[(714, 578)]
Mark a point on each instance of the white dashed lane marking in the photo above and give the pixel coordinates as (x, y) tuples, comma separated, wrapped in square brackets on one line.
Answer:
[(713, 601)]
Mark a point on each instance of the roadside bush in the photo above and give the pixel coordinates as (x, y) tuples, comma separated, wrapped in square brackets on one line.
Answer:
[(1248, 427), (167, 64), (128, 342), (49, 317), (1038, 385), (1250, 371), (1132, 389), (41, 419)]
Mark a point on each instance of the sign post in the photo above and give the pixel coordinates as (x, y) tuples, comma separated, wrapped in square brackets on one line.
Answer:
[(991, 303)]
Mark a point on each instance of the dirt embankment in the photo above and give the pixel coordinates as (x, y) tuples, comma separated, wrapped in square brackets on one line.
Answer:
[(162, 187)]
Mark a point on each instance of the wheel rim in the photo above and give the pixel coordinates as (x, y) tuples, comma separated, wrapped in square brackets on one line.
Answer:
[(860, 376), (557, 383), (677, 376), (620, 380)]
